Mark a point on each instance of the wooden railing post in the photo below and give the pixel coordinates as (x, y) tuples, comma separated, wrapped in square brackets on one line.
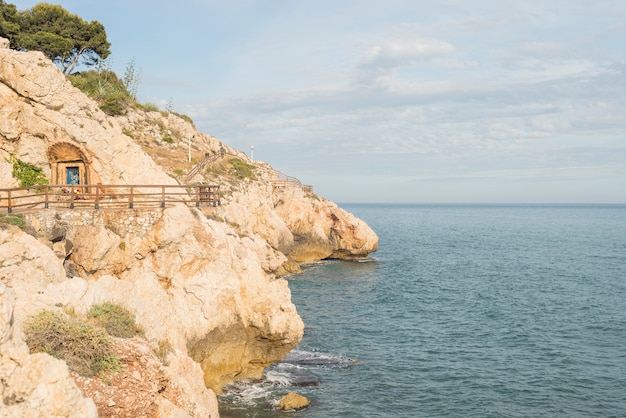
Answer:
[(45, 204), (163, 197), (197, 196), (130, 198), (96, 203), (71, 197), (9, 208)]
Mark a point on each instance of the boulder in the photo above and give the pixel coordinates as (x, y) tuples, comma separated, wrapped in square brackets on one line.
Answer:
[(293, 402)]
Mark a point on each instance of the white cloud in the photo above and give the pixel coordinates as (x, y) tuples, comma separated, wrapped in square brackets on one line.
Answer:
[(379, 63), (397, 53), (499, 96)]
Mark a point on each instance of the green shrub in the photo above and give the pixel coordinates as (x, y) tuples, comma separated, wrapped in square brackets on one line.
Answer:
[(149, 107), (185, 117), (168, 138), (241, 169), (86, 349), (13, 219), (114, 105), (27, 173), (115, 319), (105, 88)]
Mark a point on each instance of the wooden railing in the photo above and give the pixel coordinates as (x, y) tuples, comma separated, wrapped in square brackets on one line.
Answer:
[(207, 159), (107, 196), (284, 181)]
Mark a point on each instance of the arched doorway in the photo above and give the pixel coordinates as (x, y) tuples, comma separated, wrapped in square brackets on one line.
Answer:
[(69, 164)]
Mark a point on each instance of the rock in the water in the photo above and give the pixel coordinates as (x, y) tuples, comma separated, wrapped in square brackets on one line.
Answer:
[(293, 401), (304, 379)]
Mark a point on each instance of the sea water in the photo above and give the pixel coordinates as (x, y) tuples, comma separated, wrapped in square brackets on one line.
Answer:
[(465, 311)]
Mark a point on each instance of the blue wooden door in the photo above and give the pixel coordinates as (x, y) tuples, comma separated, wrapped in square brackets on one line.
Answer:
[(73, 175)]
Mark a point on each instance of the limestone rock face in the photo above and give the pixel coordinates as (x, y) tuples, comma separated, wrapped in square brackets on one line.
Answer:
[(323, 230), (144, 388), (200, 281), (299, 223), (21, 251), (39, 108), (34, 385), (191, 281)]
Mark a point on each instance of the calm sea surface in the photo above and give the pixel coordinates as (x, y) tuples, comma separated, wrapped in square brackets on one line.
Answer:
[(466, 311)]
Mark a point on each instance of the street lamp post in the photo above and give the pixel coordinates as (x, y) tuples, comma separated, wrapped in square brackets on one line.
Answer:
[(252, 152), (189, 147)]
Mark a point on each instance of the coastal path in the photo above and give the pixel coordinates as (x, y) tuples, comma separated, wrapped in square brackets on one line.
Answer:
[(98, 196), (284, 181)]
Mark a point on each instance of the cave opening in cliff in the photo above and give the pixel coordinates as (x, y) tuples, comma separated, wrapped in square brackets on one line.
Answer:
[(68, 164)]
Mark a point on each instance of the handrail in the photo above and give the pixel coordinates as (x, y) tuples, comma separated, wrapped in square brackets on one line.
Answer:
[(207, 158), (101, 196), (285, 180)]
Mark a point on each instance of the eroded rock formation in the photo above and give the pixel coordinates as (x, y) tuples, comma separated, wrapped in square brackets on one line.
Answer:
[(35, 385), (202, 281)]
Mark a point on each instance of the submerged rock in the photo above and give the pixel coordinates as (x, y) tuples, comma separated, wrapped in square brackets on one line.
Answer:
[(307, 359), (304, 379)]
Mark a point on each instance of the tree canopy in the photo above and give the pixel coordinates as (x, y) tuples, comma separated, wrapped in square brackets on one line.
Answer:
[(8, 20), (63, 37)]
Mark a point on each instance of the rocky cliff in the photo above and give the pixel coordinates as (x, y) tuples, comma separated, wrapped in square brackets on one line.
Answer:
[(203, 282)]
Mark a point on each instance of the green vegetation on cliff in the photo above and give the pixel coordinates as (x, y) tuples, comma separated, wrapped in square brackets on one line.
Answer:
[(117, 320), (85, 345), (26, 173), (105, 88), (86, 349)]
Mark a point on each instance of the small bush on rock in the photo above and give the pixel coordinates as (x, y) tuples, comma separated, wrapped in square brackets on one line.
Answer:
[(105, 88), (115, 319), (13, 219), (86, 349), (241, 169)]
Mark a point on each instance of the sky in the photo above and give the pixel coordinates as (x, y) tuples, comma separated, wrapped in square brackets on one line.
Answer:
[(398, 101)]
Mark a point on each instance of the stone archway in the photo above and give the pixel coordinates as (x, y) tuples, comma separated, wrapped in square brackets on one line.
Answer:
[(69, 164)]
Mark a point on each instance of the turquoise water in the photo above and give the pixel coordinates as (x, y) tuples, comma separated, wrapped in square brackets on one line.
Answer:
[(466, 311)]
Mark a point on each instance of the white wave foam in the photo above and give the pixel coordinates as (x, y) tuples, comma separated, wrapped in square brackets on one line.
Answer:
[(310, 359), (278, 378)]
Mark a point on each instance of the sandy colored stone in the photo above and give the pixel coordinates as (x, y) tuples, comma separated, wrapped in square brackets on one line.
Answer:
[(157, 393), (34, 385), (293, 402)]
